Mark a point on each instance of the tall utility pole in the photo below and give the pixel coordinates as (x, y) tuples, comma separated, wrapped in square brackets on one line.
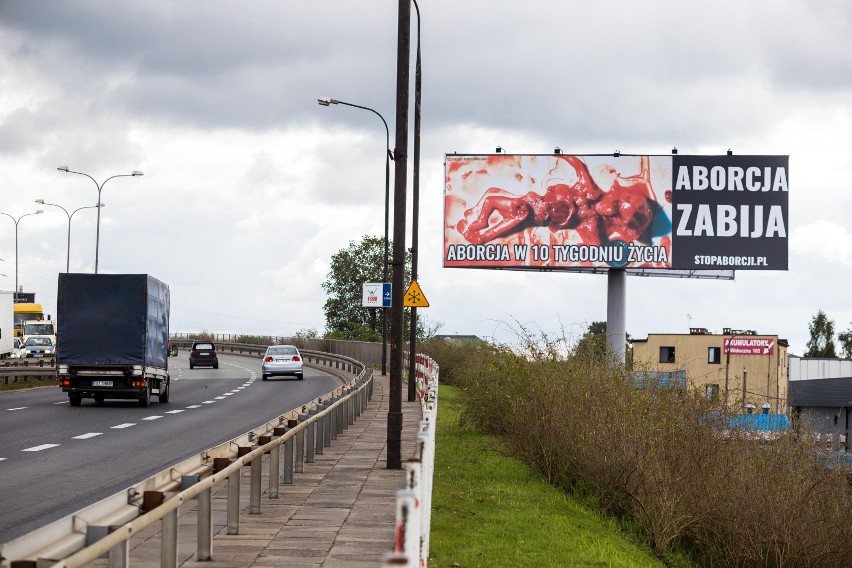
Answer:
[(415, 218), (394, 452)]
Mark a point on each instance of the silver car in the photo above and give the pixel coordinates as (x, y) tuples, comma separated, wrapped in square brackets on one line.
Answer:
[(281, 360), (39, 346)]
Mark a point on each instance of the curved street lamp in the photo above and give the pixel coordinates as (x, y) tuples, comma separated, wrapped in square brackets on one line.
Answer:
[(18, 220), (326, 101), (70, 215), (100, 186)]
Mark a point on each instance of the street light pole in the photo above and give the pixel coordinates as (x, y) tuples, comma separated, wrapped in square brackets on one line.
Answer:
[(326, 101), (100, 186), (70, 215), (16, 221)]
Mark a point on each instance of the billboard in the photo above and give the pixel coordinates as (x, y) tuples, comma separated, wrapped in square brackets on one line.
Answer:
[(672, 214), (749, 345)]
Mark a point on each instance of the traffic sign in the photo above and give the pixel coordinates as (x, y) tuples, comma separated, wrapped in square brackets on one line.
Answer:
[(376, 295), (414, 297)]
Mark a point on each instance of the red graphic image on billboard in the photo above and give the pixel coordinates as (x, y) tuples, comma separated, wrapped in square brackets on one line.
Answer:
[(560, 211)]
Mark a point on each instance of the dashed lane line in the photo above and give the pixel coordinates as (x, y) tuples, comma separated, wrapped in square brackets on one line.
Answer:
[(18, 408), (40, 448), (152, 418), (122, 426), (87, 436)]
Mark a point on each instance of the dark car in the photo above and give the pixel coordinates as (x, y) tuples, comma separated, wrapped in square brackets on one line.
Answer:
[(203, 353)]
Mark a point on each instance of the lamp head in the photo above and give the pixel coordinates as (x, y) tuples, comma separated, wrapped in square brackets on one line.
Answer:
[(325, 101), (136, 173), (62, 168), (40, 201), (39, 211)]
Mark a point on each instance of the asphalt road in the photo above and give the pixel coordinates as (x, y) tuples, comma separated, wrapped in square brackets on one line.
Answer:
[(55, 459)]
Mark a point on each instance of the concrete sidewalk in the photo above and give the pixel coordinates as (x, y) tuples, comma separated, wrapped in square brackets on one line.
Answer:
[(339, 513)]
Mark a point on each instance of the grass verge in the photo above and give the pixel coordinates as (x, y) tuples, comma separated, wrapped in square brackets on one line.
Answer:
[(492, 510), (28, 383)]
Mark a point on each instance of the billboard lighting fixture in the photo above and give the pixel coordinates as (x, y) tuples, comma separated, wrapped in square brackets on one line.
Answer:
[(674, 151), (499, 149), (616, 154), (557, 150), (730, 152)]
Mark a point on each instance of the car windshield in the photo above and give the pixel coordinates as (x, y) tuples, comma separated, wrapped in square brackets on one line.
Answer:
[(38, 328), (39, 341), (283, 350)]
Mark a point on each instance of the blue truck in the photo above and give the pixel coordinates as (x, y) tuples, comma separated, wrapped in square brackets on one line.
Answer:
[(113, 337)]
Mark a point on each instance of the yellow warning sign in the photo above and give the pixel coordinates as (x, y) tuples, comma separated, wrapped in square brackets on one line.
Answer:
[(414, 297)]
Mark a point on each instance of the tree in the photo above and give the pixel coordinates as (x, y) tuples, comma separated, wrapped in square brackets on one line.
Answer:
[(351, 267), (594, 340), (845, 339), (821, 343)]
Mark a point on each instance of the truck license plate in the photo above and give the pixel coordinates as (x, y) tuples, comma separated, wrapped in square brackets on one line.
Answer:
[(101, 383)]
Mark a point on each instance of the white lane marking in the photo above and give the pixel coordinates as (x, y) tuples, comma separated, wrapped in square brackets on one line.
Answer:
[(1, 459), (194, 406), (62, 402), (228, 393), (125, 425), (87, 436), (40, 448), (220, 398), (208, 402), (152, 418), (19, 408), (173, 411)]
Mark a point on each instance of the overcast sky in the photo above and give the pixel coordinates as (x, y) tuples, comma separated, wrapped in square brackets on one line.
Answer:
[(250, 186)]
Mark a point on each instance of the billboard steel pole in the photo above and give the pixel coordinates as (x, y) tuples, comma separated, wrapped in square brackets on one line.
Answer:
[(394, 451), (616, 309)]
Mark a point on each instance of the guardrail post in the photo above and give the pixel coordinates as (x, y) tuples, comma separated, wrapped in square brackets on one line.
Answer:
[(310, 441), (254, 487), (119, 555), (350, 408), (319, 426), (329, 434), (287, 478), (234, 503), (406, 537), (204, 548), (300, 446), (168, 546)]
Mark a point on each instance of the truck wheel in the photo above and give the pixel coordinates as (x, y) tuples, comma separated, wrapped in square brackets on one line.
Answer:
[(146, 398), (164, 392), (75, 400)]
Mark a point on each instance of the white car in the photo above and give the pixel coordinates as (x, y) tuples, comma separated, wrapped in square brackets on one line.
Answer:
[(17, 349), (281, 360)]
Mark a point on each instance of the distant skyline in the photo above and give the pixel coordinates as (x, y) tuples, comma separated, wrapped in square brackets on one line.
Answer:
[(250, 186)]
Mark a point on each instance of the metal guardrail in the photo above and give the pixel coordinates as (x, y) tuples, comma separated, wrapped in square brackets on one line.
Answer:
[(107, 526), (414, 503), (13, 370)]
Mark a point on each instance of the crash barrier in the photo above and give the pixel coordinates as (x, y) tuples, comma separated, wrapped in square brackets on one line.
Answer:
[(414, 502), (107, 526), (14, 370)]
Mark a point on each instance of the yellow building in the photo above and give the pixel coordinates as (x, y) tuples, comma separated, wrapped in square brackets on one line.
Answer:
[(740, 365)]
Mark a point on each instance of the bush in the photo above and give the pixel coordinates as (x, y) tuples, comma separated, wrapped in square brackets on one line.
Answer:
[(661, 457)]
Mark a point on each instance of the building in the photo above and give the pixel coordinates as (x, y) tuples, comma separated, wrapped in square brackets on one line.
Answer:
[(821, 392), (737, 367)]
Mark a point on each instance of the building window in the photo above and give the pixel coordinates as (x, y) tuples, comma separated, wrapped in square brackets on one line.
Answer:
[(714, 355), (667, 354), (712, 392)]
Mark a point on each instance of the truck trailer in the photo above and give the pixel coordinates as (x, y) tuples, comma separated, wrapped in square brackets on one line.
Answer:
[(7, 324), (112, 337)]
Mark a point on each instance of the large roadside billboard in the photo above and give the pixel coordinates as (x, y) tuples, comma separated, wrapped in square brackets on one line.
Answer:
[(589, 213)]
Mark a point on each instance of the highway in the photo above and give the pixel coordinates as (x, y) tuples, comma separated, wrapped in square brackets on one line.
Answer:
[(55, 459)]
